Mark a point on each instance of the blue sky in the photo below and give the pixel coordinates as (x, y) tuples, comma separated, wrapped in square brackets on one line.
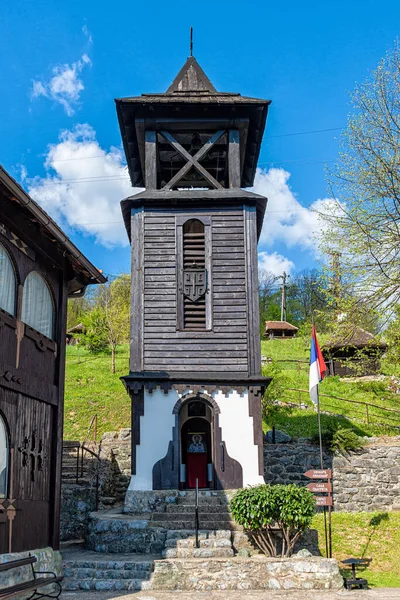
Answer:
[(63, 63)]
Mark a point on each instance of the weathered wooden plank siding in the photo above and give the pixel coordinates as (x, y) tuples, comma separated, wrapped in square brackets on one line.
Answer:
[(224, 348)]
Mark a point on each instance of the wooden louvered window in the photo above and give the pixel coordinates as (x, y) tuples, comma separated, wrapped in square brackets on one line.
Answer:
[(194, 275)]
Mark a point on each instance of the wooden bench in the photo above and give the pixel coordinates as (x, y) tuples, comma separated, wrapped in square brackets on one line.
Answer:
[(33, 584)]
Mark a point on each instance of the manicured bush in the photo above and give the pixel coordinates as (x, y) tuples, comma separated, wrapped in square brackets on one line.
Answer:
[(274, 515)]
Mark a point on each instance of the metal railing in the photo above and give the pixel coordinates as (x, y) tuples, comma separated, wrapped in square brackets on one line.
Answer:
[(365, 411), (91, 447)]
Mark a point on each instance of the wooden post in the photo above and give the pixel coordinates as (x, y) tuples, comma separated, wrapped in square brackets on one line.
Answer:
[(234, 159), (151, 159)]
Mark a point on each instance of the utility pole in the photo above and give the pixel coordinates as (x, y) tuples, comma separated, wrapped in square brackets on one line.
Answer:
[(336, 283), (283, 302)]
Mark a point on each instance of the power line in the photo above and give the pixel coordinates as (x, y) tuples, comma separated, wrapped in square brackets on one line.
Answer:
[(305, 132), (311, 131)]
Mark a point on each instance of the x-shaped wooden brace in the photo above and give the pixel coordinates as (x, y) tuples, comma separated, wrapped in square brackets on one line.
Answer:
[(192, 161)]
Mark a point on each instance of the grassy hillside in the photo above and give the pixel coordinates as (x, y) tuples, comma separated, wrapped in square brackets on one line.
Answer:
[(91, 388), (288, 366), (370, 535)]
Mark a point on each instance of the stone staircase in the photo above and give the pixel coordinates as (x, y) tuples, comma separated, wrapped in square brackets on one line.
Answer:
[(72, 474), (212, 544), (213, 514), (88, 571)]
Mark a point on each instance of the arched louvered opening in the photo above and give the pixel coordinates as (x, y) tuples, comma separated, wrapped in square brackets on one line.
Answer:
[(194, 275)]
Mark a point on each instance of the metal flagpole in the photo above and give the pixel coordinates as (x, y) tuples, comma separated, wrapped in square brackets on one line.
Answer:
[(321, 456)]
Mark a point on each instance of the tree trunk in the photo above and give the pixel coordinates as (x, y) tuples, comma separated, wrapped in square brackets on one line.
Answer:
[(112, 358)]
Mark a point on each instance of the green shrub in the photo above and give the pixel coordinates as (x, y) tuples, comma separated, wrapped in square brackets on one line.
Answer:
[(274, 515), (339, 439), (344, 440), (95, 337)]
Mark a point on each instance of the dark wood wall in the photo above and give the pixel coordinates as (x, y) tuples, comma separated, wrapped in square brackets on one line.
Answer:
[(31, 392), (231, 343)]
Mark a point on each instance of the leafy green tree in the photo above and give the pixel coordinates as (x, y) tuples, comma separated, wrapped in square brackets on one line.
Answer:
[(362, 221), (108, 323), (114, 301), (392, 337), (94, 338)]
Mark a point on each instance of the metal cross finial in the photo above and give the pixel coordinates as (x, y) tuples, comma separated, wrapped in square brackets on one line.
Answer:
[(191, 41)]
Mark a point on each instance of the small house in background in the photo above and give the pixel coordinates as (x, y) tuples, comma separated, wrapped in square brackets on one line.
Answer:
[(280, 329), (353, 352), (73, 334)]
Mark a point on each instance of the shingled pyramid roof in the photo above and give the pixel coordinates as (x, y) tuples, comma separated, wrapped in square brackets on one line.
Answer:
[(191, 78)]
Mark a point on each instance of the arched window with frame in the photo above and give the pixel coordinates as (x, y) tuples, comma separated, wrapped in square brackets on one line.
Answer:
[(7, 282), (37, 305), (4, 458)]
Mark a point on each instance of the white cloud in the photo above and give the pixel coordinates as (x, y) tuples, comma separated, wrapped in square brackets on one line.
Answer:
[(65, 86), (286, 220), (274, 263), (84, 186), (87, 34)]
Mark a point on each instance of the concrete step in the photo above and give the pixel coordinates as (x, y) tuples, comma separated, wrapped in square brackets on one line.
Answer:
[(190, 508), (190, 534), (207, 524), (82, 573), (206, 501), (203, 543), (84, 570), (106, 585), (198, 553), (207, 515)]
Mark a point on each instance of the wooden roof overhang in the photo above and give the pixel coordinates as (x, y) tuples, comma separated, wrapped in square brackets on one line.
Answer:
[(150, 380), (280, 326), (355, 337), (190, 199), (191, 111), (80, 272)]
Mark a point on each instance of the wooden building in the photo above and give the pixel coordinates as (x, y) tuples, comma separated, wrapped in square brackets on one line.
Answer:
[(354, 352), (280, 330), (39, 269), (195, 367)]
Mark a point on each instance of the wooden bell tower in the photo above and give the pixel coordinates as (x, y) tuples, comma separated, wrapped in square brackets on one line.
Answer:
[(195, 369)]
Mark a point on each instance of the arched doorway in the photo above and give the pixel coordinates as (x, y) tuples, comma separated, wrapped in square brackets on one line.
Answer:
[(196, 420)]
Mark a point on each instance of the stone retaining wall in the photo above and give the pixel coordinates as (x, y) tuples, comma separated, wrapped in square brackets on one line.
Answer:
[(256, 573), (366, 480), (77, 502)]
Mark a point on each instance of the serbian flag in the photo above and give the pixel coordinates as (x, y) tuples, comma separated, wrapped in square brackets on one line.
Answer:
[(317, 367)]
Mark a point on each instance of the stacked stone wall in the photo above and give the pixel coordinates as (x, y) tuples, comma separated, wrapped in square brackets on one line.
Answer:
[(366, 480)]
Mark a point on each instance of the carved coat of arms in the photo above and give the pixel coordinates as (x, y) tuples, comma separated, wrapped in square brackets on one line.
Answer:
[(194, 283)]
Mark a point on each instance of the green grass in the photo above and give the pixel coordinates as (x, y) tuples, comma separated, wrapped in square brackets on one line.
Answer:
[(303, 423), (368, 535), (91, 388)]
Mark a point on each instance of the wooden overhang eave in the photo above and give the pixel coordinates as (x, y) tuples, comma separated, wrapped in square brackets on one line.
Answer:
[(85, 271), (128, 109), (163, 199)]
